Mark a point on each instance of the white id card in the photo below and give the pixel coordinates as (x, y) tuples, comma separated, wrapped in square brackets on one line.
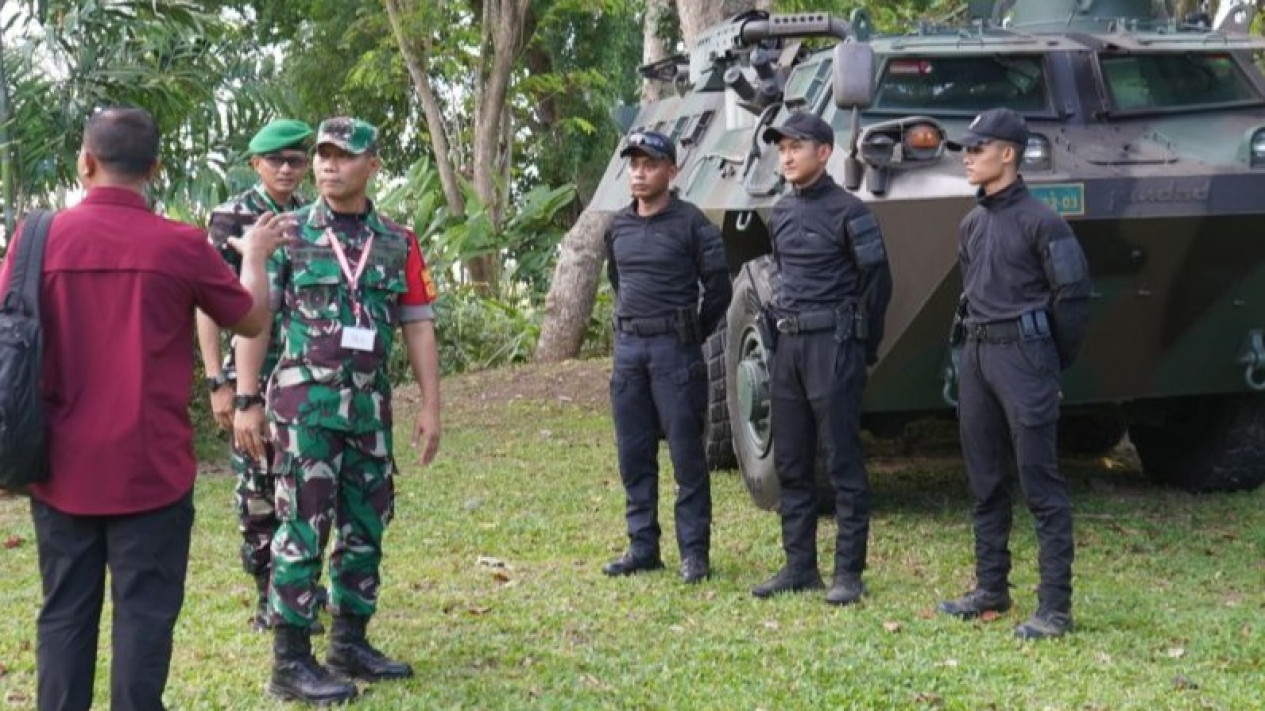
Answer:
[(358, 338)]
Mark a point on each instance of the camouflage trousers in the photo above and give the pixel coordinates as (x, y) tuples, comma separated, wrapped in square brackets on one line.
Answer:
[(327, 479), (256, 510)]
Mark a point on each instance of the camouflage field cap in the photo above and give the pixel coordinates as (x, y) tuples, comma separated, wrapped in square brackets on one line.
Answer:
[(350, 134)]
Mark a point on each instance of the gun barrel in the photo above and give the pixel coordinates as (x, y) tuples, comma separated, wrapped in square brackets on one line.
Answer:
[(807, 24)]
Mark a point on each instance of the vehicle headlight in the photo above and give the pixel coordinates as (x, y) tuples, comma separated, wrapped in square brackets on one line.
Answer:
[(1256, 150), (923, 141), (1037, 155)]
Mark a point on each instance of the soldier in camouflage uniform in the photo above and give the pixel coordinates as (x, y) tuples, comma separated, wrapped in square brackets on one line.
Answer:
[(278, 155), (341, 287)]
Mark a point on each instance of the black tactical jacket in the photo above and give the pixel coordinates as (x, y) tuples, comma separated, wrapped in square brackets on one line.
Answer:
[(829, 248), (656, 264), (1017, 255)]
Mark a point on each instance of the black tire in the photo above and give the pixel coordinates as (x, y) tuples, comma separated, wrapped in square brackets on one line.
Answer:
[(1091, 433), (746, 367), (718, 442), (1208, 444), (747, 370)]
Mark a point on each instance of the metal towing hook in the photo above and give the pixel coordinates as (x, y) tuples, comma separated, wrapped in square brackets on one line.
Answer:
[(1253, 360)]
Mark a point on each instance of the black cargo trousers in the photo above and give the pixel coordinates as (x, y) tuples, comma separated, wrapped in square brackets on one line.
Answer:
[(816, 387), (147, 555), (1008, 409), (659, 386)]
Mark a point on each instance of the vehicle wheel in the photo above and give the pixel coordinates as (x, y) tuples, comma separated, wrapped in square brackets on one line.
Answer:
[(717, 440), (1214, 444), (747, 382), (1091, 433), (747, 390)]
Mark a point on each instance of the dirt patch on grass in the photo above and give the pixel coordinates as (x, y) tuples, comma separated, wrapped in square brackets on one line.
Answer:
[(582, 383)]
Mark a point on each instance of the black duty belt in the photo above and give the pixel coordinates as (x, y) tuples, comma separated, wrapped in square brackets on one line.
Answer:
[(647, 326), (996, 332), (1005, 332), (808, 322)]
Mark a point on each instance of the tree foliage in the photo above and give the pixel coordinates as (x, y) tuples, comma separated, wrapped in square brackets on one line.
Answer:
[(184, 64)]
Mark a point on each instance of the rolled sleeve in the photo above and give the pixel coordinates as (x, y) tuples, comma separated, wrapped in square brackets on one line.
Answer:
[(410, 313), (217, 292)]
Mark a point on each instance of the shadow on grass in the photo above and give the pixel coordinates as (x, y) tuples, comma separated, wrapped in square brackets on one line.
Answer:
[(922, 472)]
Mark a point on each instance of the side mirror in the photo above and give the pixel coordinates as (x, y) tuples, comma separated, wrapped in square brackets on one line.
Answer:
[(854, 75)]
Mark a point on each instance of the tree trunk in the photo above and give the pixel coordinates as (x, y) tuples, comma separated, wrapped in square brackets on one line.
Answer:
[(654, 47), (503, 36), (414, 62), (570, 301), (574, 287), (8, 164)]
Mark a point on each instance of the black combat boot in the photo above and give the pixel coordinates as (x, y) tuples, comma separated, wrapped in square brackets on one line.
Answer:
[(789, 579), (695, 568), (1046, 623), (631, 564), (350, 654), (296, 674), (977, 602), (845, 589)]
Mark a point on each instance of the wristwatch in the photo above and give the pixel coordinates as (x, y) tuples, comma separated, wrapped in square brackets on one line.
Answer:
[(245, 402), (216, 382)]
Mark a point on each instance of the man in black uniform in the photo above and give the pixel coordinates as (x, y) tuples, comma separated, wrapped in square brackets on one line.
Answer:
[(827, 320), (660, 250), (1023, 313)]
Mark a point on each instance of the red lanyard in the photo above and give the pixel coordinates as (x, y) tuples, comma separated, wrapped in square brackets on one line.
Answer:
[(353, 277)]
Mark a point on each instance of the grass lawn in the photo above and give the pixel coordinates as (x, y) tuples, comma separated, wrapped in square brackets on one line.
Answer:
[(1170, 589)]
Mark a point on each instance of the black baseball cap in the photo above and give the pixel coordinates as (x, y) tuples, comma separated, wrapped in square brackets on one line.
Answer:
[(802, 126), (992, 125), (649, 143)]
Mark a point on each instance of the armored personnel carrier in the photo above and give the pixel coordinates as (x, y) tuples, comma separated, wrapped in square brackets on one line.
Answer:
[(1148, 135)]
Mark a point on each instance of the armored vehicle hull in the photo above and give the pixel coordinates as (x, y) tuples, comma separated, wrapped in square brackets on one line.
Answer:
[(1149, 138)]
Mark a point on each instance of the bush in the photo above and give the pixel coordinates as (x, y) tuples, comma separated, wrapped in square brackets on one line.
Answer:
[(209, 441), (599, 338), (474, 333), (478, 332)]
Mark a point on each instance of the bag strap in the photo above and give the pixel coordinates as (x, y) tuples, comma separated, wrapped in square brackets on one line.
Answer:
[(28, 263)]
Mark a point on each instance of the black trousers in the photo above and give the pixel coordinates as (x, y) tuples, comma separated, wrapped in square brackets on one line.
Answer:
[(1008, 408), (147, 555), (816, 388), (659, 385)]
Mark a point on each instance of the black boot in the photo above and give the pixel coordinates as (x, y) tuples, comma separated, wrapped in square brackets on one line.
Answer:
[(789, 579), (296, 674), (260, 621), (1046, 623), (845, 589), (977, 602), (350, 654)]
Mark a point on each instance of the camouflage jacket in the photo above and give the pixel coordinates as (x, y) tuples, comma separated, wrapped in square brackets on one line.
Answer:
[(230, 220), (318, 382)]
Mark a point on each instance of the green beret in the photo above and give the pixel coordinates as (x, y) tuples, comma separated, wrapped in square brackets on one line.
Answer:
[(282, 133), (350, 134)]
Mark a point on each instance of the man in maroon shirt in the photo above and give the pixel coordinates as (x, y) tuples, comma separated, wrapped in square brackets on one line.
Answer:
[(117, 297)]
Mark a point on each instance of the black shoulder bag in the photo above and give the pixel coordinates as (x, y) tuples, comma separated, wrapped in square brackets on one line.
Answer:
[(23, 434)]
